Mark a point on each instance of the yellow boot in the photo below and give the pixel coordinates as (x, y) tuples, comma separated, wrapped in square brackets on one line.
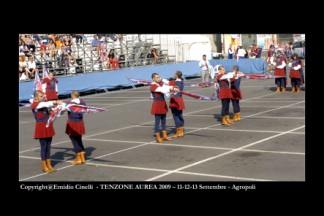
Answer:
[(283, 90), (44, 167), (235, 117), (238, 116), (178, 133), (181, 131), (165, 136), (49, 165), (82, 157), (292, 90), (77, 159), (298, 89), (224, 122), (158, 138), (227, 118), (278, 89)]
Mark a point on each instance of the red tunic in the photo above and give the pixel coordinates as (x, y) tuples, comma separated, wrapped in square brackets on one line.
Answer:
[(75, 123), (235, 89), (224, 91), (41, 116), (295, 73), (280, 72), (50, 88), (176, 101), (159, 105)]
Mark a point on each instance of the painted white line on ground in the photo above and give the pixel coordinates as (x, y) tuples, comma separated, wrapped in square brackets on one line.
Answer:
[(90, 160), (105, 100), (247, 106), (222, 176), (157, 170), (194, 146), (227, 129), (270, 117), (277, 117), (220, 155), (26, 122), (117, 141), (170, 117), (103, 108), (117, 97), (105, 104), (109, 131), (270, 101)]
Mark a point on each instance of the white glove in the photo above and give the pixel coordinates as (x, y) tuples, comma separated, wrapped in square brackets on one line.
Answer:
[(165, 81)]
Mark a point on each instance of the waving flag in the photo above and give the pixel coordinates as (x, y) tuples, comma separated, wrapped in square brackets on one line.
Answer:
[(37, 85), (199, 84), (55, 113), (197, 96), (259, 76), (78, 108), (75, 108), (25, 104), (145, 82), (45, 72), (190, 94)]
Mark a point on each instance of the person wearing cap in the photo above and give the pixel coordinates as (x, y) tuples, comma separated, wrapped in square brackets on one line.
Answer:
[(296, 74), (280, 72)]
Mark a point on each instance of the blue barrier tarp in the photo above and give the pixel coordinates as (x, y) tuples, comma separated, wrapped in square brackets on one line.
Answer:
[(257, 65), (111, 79)]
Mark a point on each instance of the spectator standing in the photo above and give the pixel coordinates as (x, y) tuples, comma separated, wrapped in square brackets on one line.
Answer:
[(204, 65), (95, 44), (230, 52)]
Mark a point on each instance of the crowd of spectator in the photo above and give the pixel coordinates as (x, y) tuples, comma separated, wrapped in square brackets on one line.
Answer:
[(60, 50)]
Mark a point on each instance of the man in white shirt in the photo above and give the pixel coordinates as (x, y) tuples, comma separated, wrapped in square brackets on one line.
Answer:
[(241, 52), (204, 65)]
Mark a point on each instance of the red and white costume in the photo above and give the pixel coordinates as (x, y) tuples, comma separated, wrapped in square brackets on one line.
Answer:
[(224, 85), (280, 67), (295, 70), (176, 100), (50, 88), (41, 113), (75, 123), (158, 90)]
